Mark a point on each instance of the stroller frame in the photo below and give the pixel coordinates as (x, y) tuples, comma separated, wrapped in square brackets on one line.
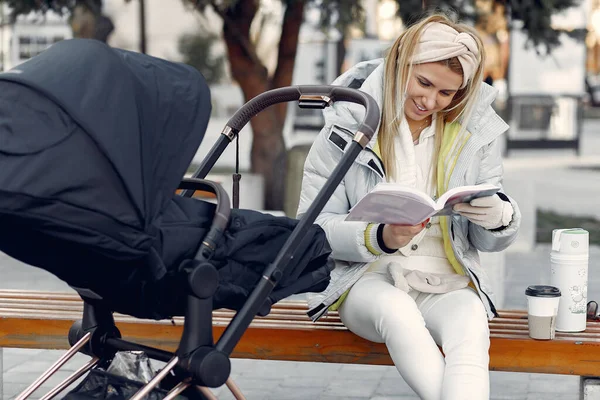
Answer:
[(198, 360)]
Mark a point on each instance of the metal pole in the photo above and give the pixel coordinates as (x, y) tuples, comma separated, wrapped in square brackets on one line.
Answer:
[(72, 378), (55, 367), (143, 26), (156, 380)]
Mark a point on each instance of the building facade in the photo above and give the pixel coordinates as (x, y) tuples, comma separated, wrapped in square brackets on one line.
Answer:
[(29, 35)]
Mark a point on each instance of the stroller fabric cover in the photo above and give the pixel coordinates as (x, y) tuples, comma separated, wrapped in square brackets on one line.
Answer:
[(94, 142)]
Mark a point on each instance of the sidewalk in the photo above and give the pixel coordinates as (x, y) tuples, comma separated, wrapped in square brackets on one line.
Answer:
[(547, 179)]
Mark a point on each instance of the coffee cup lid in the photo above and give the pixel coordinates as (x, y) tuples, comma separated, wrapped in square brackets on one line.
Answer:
[(542, 291)]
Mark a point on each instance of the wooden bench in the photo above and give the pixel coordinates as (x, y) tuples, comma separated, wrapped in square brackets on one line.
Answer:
[(41, 320)]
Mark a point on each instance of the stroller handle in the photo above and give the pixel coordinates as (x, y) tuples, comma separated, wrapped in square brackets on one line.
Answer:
[(222, 212), (313, 97), (308, 96)]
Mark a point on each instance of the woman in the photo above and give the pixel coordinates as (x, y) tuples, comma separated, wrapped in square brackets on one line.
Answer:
[(417, 287)]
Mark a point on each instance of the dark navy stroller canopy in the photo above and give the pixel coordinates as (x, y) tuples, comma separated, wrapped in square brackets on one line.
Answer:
[(94, 142), (117, 131)]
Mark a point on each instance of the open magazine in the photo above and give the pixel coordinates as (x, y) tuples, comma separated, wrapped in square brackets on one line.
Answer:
[(390, 203)]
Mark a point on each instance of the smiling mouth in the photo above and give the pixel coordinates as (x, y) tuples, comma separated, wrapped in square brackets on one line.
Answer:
[(420, 108)]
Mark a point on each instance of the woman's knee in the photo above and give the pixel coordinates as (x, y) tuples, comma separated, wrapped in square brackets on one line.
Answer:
[(387, 308), (470, 327), (460, 319)]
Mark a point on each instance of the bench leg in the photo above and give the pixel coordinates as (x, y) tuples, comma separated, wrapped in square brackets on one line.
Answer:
[(589, 388)]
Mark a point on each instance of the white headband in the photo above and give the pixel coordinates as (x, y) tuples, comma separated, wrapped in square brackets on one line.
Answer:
[(440, 42)]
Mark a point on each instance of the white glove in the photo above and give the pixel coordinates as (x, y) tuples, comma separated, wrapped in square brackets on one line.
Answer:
[(490, 212)]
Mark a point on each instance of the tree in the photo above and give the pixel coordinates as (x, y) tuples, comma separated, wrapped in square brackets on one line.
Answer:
[(198, 51), (86, 18), (268, 156), (535, 16)]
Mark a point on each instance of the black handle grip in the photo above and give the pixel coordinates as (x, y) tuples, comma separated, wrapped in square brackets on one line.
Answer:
[(291, 93), (222, 213)]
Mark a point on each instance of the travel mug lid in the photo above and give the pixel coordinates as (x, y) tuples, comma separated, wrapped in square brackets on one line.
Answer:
[(570, 241), (542, 291)]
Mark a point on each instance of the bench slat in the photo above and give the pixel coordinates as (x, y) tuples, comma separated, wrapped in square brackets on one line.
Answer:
[(42, 319), (510, 353), (281, 316)]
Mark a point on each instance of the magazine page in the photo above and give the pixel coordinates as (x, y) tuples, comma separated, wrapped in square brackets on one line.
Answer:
[(396, 188), (393, 207), (463, 194)]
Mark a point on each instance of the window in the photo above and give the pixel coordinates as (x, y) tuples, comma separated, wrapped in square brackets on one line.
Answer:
[(30, 46)]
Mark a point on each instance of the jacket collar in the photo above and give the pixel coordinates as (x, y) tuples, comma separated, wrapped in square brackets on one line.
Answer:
[(366, 76), (484, 125)]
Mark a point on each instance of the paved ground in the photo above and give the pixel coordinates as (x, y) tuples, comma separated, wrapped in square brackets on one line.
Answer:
[(544, 179)]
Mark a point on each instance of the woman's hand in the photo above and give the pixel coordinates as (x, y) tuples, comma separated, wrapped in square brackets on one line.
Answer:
[(489, 212), (397, 236)]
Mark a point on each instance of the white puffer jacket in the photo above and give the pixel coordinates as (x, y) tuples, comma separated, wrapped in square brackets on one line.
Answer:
[(480, 161)]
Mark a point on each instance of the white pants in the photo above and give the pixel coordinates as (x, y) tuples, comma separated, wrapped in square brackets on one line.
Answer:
[(413, 324)]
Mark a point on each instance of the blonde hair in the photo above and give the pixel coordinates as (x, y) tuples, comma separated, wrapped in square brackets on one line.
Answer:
[(398, 69)]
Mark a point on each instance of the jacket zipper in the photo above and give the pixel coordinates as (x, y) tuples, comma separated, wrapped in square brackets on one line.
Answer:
[(492, 307), (467, 270), (478, 283)]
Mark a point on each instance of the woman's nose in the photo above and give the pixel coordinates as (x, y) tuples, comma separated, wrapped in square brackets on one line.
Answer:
[(429, 100)]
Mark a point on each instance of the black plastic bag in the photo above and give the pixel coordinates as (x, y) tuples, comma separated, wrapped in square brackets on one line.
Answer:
[(100, 384), (124, 376)]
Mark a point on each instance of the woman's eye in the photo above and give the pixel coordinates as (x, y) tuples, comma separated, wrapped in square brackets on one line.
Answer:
[(423, 83), (445, 94)]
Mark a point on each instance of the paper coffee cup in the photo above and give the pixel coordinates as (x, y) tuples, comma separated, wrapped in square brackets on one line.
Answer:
[(542, 307)]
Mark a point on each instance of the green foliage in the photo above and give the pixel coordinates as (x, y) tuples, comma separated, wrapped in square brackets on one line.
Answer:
[(547, 220), (197, 51), (535, 16), (340, 14), (23, 7), (201, 5), (61, 7), (99, 29), (411, 11), (337, 14)]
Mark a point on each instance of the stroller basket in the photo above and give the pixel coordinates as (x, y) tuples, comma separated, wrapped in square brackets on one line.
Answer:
[(199, 361)]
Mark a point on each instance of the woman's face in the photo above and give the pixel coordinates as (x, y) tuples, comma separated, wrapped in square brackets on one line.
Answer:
[(431, 88)]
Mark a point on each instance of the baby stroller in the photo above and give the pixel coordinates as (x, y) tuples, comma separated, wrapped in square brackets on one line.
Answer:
[(94, 142)]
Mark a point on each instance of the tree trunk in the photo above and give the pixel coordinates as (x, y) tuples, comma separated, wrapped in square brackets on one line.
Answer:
[(268, 148), (268, 157), (269, 154), (340, 50)]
